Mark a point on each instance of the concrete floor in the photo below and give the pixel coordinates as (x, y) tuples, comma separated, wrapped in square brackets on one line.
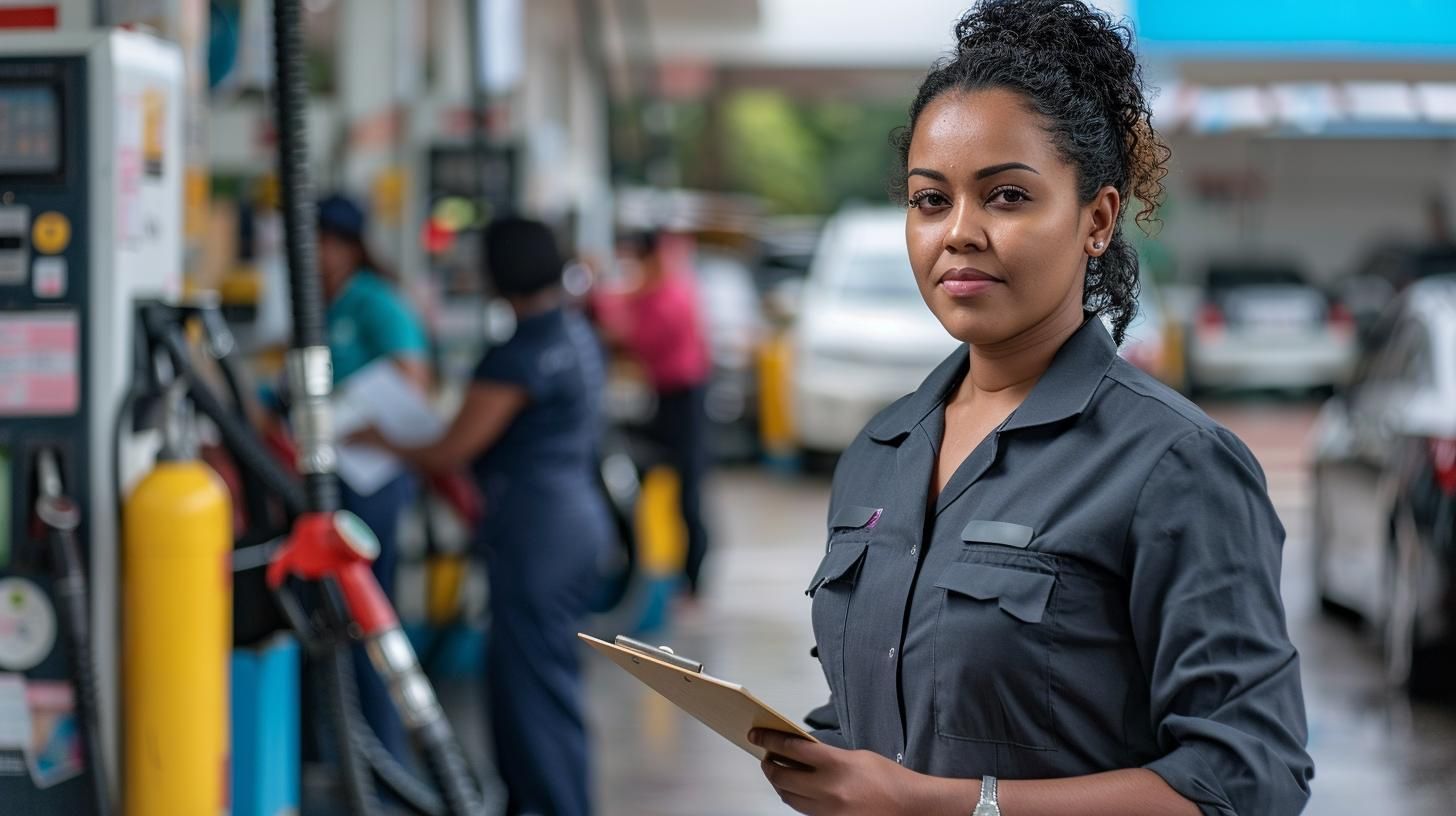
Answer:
[(1375, 751)]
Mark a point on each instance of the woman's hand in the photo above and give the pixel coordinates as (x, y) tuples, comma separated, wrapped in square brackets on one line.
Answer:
[(368, 436), (837, 782)]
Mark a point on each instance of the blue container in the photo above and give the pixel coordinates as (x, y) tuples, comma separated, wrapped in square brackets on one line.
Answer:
[(265, 729)]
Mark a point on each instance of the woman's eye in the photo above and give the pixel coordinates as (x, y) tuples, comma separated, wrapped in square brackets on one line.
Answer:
[(928, 199), (1010, 195)]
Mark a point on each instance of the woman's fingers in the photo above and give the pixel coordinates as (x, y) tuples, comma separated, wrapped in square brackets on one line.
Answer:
[(787, 781), (789, 746)]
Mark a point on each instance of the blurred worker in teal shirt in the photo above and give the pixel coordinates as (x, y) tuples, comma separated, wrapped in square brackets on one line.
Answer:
[(368, 320)]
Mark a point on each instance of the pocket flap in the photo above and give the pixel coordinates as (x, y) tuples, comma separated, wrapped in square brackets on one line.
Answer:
[(998, 532), (853, 517), (1021, 594), (838, 563)]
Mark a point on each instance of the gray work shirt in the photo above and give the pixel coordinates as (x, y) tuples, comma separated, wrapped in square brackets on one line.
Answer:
[(1096, 588)]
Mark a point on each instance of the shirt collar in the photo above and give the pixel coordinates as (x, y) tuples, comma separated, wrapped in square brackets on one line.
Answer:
[(1064, 391)]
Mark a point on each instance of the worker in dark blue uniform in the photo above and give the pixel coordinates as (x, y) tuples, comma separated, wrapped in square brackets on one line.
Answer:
[(530, 425)]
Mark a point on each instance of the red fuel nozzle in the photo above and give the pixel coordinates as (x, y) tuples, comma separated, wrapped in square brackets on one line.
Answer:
[(338, 546)]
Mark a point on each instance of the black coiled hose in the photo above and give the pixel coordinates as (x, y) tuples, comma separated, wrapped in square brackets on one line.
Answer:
[(297, 194), (71, 597)]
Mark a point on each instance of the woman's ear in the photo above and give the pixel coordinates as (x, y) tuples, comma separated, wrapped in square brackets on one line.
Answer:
[(1104, 209)]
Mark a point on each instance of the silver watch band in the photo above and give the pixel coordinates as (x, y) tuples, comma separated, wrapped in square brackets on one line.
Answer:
[(989, 805), (988, 791)]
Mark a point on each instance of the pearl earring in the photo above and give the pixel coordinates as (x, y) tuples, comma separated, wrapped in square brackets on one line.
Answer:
[(1097, 245)]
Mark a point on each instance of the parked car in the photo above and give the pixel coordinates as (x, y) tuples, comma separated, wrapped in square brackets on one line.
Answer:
[(863, 337), (1265, 326), (1385, 486), (1386, 270)]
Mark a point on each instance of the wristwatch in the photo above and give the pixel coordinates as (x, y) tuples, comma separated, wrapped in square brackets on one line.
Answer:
[(987, 806)]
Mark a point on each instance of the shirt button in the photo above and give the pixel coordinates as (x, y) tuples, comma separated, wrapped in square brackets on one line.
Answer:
[(915, 550), (900, 758), (892, 651)]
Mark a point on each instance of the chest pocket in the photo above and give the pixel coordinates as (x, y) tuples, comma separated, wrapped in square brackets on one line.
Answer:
[(993, 649), (832, 589)]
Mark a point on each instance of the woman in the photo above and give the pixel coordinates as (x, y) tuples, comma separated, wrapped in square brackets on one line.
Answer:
[(530, 425), (1043, 565), (660, 323), (368, 321)]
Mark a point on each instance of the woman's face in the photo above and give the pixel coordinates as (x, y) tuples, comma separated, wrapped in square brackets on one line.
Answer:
[(997, 236), (337, 259)]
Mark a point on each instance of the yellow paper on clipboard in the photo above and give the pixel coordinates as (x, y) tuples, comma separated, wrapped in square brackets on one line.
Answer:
[(727, 708)]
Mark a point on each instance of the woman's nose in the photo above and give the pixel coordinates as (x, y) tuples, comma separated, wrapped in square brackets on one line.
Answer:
[(965, 231)]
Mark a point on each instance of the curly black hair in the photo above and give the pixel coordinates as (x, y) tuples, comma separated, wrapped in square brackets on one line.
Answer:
[(1076, 68)]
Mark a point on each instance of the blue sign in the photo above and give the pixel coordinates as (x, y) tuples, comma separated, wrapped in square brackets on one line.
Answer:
[(1390, 29)]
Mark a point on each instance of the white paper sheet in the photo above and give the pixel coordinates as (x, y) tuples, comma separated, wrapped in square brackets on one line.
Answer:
[(379, 395)]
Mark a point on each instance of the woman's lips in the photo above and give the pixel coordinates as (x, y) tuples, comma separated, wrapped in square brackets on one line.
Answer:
[(961, 283)]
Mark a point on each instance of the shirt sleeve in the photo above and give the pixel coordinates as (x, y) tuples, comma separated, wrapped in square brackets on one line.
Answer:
[(393, 329), (1204, 557), (513, 363)]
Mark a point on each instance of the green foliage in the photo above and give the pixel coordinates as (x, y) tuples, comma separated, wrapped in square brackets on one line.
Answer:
[(770, 151)]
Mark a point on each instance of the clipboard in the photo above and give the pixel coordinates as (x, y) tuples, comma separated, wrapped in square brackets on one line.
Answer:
[(727, 708)]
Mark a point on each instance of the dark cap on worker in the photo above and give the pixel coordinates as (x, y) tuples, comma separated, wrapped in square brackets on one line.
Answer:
[(342, 216)]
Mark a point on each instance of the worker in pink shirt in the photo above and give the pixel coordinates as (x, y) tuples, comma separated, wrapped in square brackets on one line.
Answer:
[(658, 320)]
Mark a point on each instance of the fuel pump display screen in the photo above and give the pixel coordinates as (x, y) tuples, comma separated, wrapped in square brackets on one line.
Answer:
[(30, 130)]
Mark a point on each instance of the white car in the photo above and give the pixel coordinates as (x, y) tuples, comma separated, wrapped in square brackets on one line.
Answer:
[(1264, 326), (864, 336)]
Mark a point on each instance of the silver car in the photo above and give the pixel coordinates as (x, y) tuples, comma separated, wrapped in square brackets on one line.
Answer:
[(1385, 486), (1265, 326), (864, 336)]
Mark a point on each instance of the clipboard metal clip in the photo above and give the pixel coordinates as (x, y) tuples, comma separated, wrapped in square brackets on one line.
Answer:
[(662, 653)]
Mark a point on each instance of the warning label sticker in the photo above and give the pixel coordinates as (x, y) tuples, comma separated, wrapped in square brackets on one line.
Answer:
[(39, 363)]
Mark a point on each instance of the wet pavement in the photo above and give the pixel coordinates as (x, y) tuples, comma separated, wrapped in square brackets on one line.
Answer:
[(1375, 752)]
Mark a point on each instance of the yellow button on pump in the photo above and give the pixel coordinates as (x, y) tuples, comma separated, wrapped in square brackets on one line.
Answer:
[(51, 233)]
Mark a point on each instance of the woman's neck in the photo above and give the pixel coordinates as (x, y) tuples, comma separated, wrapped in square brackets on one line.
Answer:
[(539, 303), (1010, 368)]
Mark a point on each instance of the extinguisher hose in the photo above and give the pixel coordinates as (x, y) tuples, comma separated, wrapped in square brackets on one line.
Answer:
[(241, 441)]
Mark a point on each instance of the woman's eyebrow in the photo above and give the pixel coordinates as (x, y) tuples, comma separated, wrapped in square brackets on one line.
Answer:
[(987, 172), (983, 173)]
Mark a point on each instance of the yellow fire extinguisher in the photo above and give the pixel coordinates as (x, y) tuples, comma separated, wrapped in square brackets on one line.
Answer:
[(176, 633)]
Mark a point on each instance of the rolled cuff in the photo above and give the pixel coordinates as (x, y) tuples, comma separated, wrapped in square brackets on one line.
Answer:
[(1186, 772)]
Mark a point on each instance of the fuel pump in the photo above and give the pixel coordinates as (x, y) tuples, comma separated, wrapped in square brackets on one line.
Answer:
[(90, 226)]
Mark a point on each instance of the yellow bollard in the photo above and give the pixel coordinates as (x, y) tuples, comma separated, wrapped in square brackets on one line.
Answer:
[(176, 642), (444, 579), (661, 532), (775, 412)]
